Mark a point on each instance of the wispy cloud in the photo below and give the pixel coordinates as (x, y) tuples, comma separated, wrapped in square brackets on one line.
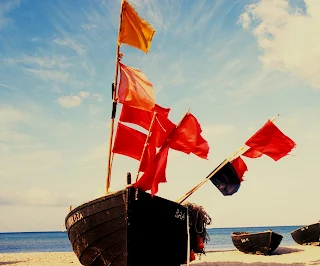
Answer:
[(78, 48), (287, 36), (5, 8), (71, 101)]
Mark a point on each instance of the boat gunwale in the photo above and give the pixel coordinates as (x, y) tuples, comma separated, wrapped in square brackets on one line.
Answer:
[(92, 202), (304, 227), (254, 233)]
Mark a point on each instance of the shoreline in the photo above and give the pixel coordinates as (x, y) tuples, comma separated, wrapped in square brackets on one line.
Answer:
[(287, 255)]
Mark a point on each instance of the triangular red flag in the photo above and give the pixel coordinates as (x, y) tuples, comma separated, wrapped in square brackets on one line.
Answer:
[(270, 141)]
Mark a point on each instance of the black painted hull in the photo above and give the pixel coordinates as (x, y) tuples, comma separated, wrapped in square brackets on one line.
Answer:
[(128, 229), (307, 235), (261, 243)]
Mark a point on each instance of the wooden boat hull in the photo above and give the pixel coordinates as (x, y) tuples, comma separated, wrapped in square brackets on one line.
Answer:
[(128, 228), (307, 235), (261, 243)]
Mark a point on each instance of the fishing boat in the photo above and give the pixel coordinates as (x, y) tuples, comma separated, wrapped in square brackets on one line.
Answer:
[(260, 243), (307, 235), (132, 227), (129, 228)]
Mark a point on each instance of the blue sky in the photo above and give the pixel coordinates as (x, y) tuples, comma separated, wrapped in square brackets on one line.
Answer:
[(235, 64)]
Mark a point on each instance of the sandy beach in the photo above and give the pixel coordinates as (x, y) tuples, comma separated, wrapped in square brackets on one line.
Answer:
[(296, 256)]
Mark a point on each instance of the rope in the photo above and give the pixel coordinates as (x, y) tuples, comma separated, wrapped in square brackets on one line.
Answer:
[(188, 245)]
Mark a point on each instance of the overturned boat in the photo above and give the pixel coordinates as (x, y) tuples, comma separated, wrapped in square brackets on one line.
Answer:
[(307, 235), (260, 243)]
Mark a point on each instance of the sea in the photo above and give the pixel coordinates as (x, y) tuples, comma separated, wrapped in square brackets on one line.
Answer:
[(220, 239)]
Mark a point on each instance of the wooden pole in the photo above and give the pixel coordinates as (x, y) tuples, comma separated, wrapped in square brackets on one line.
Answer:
[(146, 143), (114, 102), (239, 151)]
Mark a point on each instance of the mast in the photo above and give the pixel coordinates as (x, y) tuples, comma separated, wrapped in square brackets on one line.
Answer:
[(114, 102)]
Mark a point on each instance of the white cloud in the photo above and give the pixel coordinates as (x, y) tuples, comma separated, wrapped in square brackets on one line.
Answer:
[(288, 37), (84, 94), (51, 61), (78, 48), (71, 101), (53, 75)]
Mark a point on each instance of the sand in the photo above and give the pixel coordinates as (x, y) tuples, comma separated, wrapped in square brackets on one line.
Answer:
[(296, 256)]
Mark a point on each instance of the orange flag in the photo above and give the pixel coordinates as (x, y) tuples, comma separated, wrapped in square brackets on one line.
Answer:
[(134, 30), (135, 89)]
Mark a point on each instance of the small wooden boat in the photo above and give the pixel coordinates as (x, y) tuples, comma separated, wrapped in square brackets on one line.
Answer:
[(307, 235), (129, 227), (261, 243)]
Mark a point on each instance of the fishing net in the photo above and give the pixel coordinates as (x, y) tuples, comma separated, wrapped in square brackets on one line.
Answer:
[(198, 221)]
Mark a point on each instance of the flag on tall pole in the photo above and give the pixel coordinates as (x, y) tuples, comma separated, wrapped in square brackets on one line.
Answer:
[(134, 30)]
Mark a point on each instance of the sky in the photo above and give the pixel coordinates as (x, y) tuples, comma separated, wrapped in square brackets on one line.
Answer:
[(235, 64)]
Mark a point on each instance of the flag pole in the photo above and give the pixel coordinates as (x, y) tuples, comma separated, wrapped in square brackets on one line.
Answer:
[(146, 143), (114, 102), (241, 150)]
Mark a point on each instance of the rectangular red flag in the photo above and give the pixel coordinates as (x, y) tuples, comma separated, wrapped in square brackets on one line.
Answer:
[(129, 142), (135, 89), (270, 141), (155, 173), (141, 117), (187, 138)]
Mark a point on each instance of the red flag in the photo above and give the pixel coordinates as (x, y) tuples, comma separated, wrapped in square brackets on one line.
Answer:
[(148, 156), (240, 166), (270, 141), (141, 117), (155, 173), (129, 142), (135, 89), (252, 153), (162, 127), (187, 138)]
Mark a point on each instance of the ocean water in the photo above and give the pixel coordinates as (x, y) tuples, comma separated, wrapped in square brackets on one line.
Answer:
[(220, 239)]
